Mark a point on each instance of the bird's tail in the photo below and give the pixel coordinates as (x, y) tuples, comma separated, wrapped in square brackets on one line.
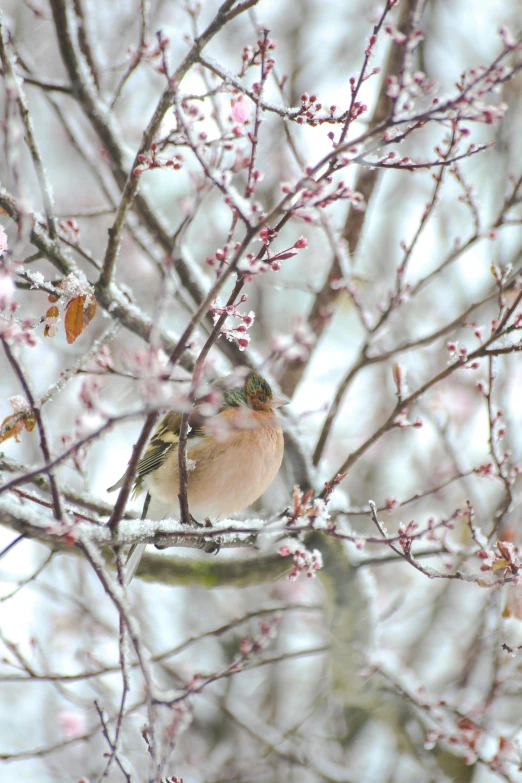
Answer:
[(133, 561), (152, 509), (136, 551)]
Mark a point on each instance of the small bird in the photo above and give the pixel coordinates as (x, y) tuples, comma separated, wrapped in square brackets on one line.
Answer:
[(232, 457)]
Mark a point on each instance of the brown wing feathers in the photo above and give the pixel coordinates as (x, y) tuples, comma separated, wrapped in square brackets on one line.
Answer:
[(162, 442)]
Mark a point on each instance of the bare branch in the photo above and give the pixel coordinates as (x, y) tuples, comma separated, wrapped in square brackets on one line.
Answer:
[(15, 83), (44, 440)]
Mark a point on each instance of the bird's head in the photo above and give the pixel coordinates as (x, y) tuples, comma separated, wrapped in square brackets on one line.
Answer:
[(255, 393), (259, 395)]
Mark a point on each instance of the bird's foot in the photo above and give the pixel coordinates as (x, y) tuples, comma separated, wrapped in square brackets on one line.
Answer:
[(210, 546)]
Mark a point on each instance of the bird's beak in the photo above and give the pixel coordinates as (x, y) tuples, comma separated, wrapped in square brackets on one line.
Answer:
[(278, 402)]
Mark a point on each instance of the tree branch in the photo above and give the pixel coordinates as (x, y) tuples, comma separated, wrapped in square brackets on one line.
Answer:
[(15, 83)]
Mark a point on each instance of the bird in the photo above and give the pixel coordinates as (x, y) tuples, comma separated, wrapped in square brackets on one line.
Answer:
[(232, 456)]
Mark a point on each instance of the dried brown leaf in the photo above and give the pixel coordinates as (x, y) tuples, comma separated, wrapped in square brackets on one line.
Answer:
[(17, 426), (79, 313), (52, 312)]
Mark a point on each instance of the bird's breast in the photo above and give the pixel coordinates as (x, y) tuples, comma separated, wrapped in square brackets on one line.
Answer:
[(230, 470)]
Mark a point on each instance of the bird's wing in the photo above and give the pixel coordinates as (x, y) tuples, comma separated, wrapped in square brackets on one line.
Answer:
[(160, 445)]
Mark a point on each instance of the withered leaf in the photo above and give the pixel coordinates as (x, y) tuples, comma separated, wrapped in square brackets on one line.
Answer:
[(52, 312), (78, 315), (15, 426)]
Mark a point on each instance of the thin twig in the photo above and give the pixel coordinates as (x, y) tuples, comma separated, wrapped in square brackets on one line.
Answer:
[(113, 745), (52, 463), (10, 546), (16, 84), (224, 14), (44, 441), (136, 58)]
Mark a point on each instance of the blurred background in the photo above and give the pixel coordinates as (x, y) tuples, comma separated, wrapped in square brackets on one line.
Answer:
[(351, 710)]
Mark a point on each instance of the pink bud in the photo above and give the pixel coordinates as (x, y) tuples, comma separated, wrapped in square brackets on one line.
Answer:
[(246, 646)]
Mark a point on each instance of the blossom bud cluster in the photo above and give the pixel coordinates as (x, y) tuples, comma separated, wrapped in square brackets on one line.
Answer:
[(237, 333), (152, 161), (324, 193), (312, 112), (17, 332), (255, 55), (305, 562), (268, 630), (254, 264)]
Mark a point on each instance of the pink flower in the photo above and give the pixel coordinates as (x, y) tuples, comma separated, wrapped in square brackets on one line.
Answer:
[(240, 110)]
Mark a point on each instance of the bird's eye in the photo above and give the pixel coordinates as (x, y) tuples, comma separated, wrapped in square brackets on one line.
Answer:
[(261, 397)]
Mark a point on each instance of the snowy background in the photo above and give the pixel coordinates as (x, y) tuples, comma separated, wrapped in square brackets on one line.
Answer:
[(352, 712)]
